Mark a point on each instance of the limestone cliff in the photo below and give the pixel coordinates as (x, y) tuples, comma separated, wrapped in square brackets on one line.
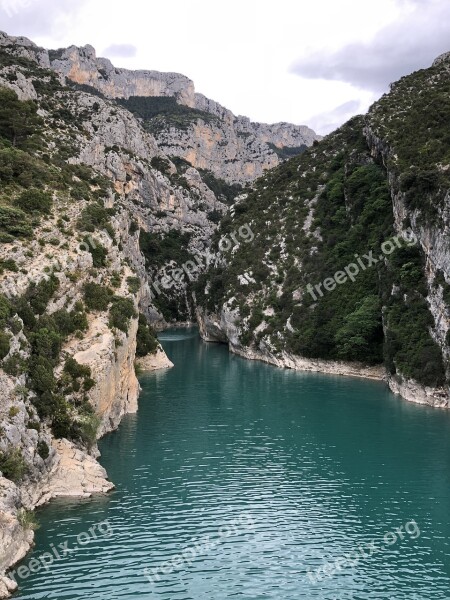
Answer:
[(233, 148), (72, 282), (350, 257)]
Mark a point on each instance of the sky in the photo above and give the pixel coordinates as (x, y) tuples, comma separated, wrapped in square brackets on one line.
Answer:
[(313, 63)]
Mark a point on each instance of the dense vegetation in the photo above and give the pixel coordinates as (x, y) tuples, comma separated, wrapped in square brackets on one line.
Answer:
[(36, 179), (160, 249), (162, 112), (412, 120), (313, 216), (147, 342), (288, 151), (225, 192)]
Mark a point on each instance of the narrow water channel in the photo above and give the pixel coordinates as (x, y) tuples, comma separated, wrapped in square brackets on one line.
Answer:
[(237, 480)]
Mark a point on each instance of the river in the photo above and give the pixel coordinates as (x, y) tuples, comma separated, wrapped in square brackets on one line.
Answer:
[(238, 480)]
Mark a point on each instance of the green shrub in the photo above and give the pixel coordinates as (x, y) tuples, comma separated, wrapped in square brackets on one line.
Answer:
[(25, 312), (97, 297), (35, 201), (4, 344), (27, 519), (5, 310), (13, 465), (8, 265), (134, 284), (120, 314), (93, 217), (88, 429), (42, 381), (34, 425), (46, 342), (39, 294), (147, 342), (13, 411), (116, 280), (67, 323), (75, 370), (225, 192), (15, 365), (18, 120), (43, 449), (14, 223), (62, 422), (98, 252)]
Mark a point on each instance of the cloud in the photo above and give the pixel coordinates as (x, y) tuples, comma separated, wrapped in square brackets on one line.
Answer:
[(329, 121), (38, 17), (421, 33), (120, 50)]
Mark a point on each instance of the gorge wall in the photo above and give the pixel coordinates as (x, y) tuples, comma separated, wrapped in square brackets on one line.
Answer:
[(350, 260), (117, 190), (93, 209)]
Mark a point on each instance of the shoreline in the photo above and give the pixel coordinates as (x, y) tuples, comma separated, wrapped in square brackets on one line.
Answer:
[(409, 390), (223, 329), (71, 472), (297, 363)]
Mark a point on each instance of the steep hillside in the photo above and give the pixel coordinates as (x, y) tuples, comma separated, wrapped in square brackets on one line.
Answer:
[(350, 265), (185, 124), (102, 236), (89, 209), (127, 202)]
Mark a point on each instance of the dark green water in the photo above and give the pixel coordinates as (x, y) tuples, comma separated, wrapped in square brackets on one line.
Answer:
[(245, 476)]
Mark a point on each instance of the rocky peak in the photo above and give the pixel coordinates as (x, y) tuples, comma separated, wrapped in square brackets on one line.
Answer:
[(7, 40), (25, 48), (207, 135), (83, 66), (443, 58)]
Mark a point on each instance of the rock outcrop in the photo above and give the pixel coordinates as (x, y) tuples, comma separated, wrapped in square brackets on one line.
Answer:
[(155, 361), (233, 148)]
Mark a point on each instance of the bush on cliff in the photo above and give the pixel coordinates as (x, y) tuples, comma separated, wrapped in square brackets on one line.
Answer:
[(147, 343), (13, 465)]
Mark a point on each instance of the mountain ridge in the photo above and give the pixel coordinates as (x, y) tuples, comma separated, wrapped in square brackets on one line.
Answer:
[(250, 147)]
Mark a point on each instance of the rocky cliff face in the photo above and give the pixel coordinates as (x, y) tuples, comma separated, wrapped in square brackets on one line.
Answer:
[(101, 209), (350, 259), (211, 138), (67, 373)]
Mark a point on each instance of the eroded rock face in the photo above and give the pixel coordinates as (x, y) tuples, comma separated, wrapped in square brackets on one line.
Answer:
[(74, 473), (233, 148), (82, 66), (112, 365), (155, 362), (111, 140), (15, 542)]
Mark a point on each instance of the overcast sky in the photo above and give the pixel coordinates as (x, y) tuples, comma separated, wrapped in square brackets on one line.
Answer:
[(307, 62)]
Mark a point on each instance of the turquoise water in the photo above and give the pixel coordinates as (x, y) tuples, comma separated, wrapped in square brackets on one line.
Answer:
[(236, 479)]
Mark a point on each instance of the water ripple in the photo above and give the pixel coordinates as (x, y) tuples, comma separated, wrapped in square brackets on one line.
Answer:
[(256, 477)]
